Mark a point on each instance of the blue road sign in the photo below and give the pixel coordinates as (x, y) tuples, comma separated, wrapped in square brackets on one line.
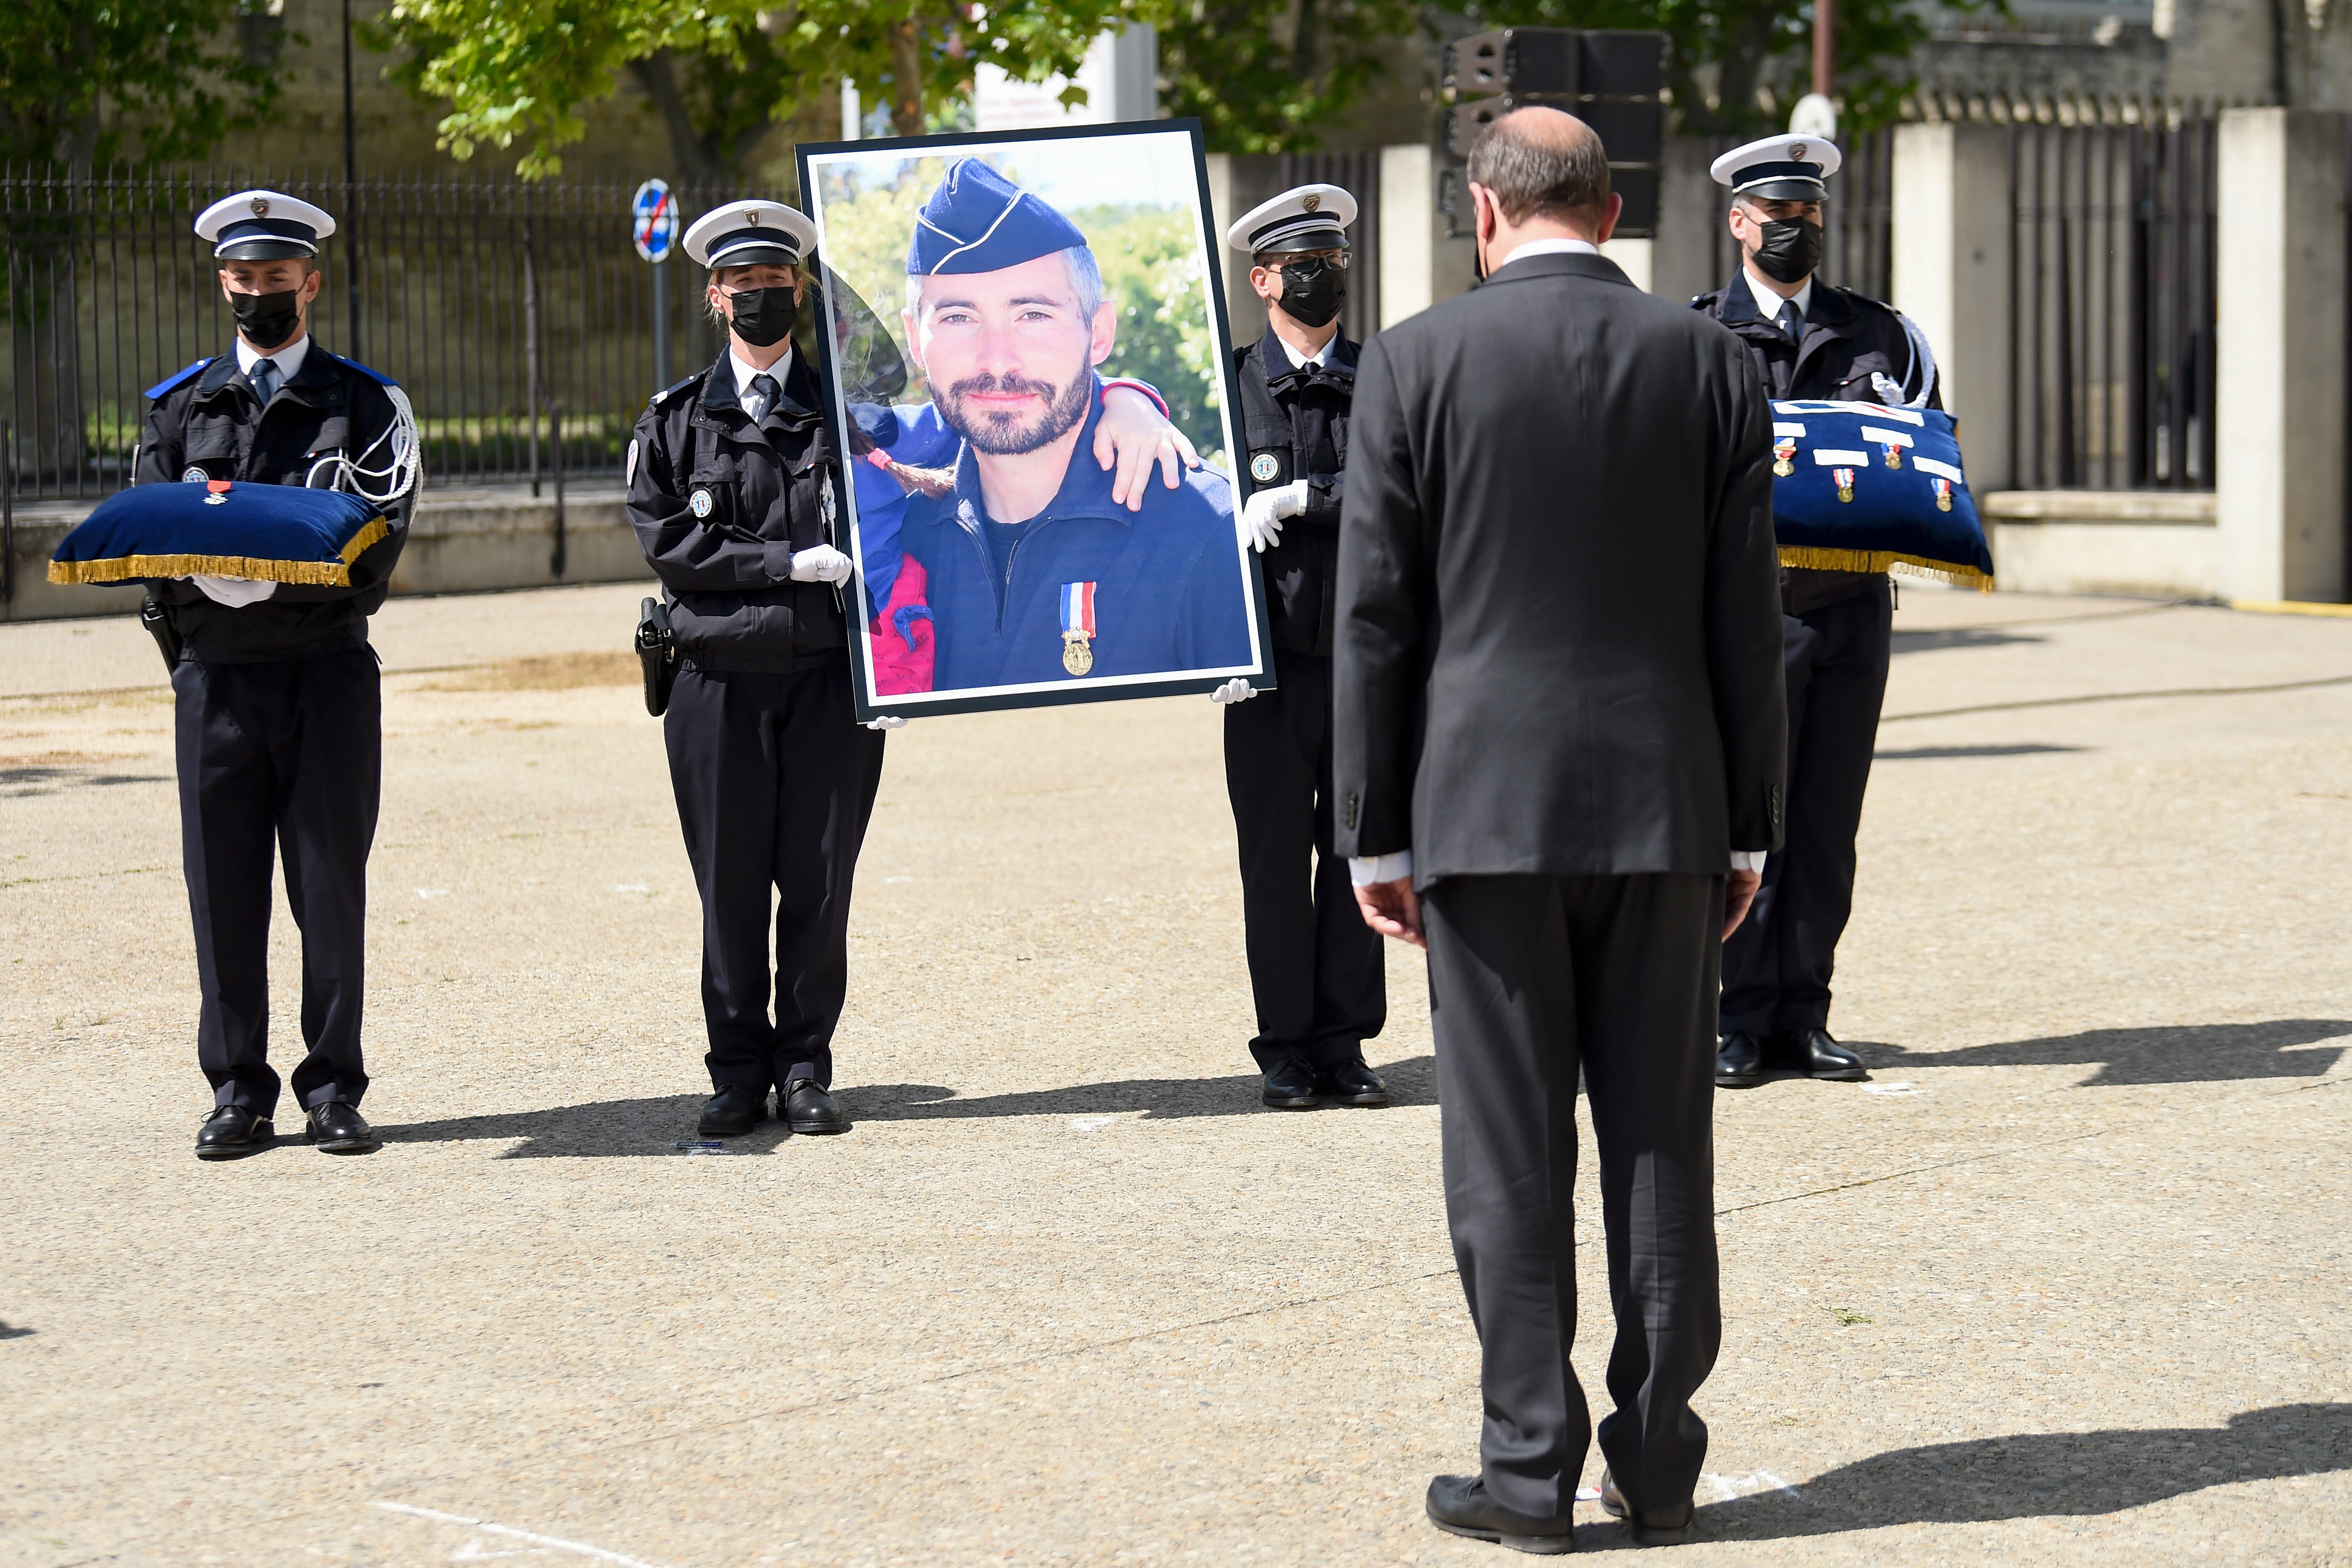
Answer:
[(653, 221)]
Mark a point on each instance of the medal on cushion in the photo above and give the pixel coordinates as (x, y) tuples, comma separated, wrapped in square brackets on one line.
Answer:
[(1943, 494), (1077, 628), (1784, 457), (1844, 477)]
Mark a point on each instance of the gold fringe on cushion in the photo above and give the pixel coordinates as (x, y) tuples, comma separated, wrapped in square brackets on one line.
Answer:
[(243, 568), (1812, 558)]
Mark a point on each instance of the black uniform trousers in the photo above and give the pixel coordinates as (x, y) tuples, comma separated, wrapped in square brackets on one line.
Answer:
[(287, 754), (1776, 968), (1316, 968), (1531, 977), (775, 781)]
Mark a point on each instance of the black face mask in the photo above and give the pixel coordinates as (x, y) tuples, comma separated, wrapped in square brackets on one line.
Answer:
[(1791, 251), (764, 315), (1311, 291), (267, 321)]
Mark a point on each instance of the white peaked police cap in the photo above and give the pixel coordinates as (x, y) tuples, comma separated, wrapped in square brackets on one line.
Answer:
[(1309, 217), (745, 234), (1789, 168), (263, 225)]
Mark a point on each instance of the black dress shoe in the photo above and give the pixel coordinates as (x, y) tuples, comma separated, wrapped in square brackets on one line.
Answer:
[(232, 1130), (809, 1109), (1459, 1505), (733, 1112), (1290, 1086), (1649, 1529), (1738, 1061), (1352, 1083), (1815, 1053), (338, 1128)]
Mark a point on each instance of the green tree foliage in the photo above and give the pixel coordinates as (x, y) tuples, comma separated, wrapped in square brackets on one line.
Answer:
[(174, 71), (1270, 75), (721, 72), (1724, 50)]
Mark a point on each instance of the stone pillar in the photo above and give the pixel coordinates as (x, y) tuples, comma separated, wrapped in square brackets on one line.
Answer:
[(1419, 266), (2278, 427), (1636, 257), (1951, 237)]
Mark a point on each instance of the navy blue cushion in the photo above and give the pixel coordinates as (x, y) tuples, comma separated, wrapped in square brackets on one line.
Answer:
[(1859, 486), (262, 534)]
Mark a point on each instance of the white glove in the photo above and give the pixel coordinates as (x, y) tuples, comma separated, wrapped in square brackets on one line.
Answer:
[(887, 721), (820, 564), (234, 592), (1261, 514), (1233, 690)]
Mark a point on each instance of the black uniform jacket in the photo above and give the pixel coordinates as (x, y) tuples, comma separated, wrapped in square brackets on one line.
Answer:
[(1848, 339), (720, 505), (212, 426), (1297, 420), (1559, 645)]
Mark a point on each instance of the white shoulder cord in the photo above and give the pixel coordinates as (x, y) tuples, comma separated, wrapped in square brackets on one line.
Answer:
[(1923, 358), (403, 467)]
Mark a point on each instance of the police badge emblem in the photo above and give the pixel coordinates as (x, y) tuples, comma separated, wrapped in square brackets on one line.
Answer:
[(192, 474), (700, 502), (1844, 477), (1784, 457), (1264, 467), (1077, 628)]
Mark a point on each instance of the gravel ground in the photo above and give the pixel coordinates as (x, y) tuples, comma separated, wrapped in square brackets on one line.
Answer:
[(2063, 1283)]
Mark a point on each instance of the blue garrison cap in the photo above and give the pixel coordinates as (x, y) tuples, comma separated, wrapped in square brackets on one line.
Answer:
[(978, 221)]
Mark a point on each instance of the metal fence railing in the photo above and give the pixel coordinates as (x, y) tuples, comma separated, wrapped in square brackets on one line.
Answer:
[(1857, 221), (518, 315), (2112, 259)]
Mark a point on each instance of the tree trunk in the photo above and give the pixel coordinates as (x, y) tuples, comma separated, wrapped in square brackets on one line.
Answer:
[(906, 78), (1743, 68), (689, 156)]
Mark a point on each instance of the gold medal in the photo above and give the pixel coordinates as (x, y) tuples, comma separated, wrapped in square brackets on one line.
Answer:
[(1893, 456), (1844, 477), (1784, 457), (1078, 653)]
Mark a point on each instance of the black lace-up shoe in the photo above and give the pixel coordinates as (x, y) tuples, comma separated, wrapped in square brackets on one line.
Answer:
[(232, 1130), (1461, 1505), (338, 1128), (1290, 1086), (806, 1106), (1352, 1083)]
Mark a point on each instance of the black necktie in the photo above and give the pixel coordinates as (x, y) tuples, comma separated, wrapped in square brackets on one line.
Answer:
[(1790, 322), (264, 377), (764, 393)]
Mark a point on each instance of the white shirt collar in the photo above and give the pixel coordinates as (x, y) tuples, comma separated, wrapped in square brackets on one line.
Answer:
[(1549, 247), (744, 370), (1767, 303), (1299, 361), (289, 359)]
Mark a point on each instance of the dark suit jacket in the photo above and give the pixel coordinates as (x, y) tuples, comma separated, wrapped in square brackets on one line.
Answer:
[(1559, 645)]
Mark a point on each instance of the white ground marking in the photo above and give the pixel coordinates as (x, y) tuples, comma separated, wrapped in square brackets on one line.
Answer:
[(1729, 1488), (576, 1548), (1904, 1087), (1588, 1494), (1090, 1123), (432, 892), (631, 888)]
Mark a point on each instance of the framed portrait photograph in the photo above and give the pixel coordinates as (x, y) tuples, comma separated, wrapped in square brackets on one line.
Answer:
[(1015, 319)]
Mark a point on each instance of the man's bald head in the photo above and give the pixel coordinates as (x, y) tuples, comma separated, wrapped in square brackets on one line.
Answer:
[(1542, 162)]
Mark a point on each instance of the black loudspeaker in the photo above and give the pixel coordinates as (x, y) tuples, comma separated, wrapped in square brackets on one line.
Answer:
[(1632, 133), (1622, 63), (1550, 61), (1637, 184)]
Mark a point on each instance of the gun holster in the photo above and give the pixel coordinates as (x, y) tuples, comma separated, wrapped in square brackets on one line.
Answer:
[(158, 621), (657, 651)]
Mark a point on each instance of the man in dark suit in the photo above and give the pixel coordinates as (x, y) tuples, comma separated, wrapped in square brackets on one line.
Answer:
[(1560, 725)]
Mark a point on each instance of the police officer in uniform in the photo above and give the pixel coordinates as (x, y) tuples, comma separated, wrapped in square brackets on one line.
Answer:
[(1809, 340), (278, 738), (733, 485), (1315, 966)]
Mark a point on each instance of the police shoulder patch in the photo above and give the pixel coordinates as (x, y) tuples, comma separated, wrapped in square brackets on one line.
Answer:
[(165, 387), (192, 474), (702, 501), (1264, 467)]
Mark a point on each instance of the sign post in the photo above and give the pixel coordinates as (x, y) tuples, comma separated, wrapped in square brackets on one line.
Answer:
[(653, 226)]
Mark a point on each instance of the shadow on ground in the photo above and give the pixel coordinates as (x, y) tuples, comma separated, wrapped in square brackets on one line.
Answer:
[(22, 783), (2039, 1475), (657, 1124), (1958, 637), (1942, 753), (2188, 1053)]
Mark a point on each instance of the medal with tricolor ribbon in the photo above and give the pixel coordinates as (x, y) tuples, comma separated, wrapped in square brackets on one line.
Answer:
[(1077, 628)]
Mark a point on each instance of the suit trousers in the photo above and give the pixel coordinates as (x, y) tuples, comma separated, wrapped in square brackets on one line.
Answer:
[(1531, 977), (285, 755), (1777, 966), (775, 782), (1316, 968)]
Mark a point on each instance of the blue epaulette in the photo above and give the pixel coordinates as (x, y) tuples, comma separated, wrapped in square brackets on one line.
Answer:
[(372, 374), (666, 393), (165, 387)]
